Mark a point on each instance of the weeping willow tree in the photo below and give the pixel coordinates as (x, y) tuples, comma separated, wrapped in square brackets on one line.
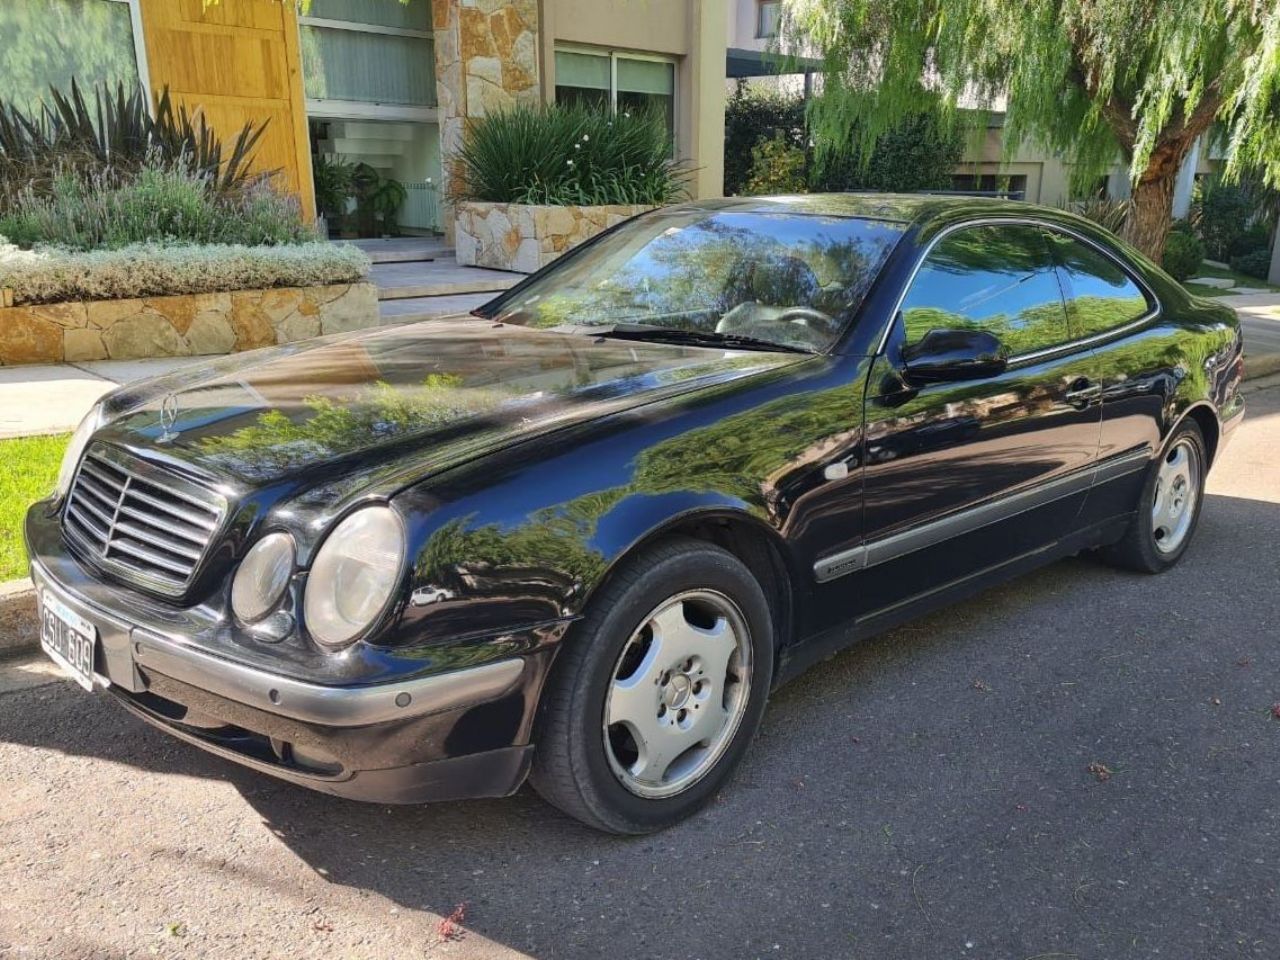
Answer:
[(1091, 79)]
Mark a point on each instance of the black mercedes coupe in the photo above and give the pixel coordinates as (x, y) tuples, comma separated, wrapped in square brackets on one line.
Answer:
[(580, 535)]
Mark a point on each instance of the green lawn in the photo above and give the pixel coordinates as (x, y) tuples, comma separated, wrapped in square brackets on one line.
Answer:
[(28, 471), (1242, 280)]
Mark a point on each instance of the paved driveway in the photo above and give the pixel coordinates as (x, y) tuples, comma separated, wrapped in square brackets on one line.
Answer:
[(1082, 764)]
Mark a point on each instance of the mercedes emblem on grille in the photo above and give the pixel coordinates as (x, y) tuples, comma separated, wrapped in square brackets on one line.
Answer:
[(168, 417)]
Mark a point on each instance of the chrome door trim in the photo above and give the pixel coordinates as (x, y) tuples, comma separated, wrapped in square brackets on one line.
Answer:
[(973, 518), (1064, 347)]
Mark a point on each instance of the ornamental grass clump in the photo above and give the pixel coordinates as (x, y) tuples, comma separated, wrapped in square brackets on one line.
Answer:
[(570, 156)]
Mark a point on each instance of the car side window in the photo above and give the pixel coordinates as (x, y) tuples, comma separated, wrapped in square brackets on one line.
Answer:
[(999, 278), (1100, 295)]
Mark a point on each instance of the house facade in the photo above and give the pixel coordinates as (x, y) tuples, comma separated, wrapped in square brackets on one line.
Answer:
[(392, 84), (381, 82)]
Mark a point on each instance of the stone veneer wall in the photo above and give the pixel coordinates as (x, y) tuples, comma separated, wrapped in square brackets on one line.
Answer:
[(525, 238), (486, 54), (180, 326)]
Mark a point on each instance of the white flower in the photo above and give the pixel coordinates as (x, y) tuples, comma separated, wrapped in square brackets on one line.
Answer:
[(570, 162), (586, 137), (577, 146)]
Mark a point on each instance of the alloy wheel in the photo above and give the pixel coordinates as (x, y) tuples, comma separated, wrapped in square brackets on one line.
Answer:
[(1176, 494), (679, 691)]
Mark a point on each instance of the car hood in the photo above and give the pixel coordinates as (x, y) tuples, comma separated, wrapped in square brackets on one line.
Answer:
[(433, 394)]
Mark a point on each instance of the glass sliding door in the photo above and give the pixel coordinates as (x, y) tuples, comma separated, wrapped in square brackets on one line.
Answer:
[(369, 77)]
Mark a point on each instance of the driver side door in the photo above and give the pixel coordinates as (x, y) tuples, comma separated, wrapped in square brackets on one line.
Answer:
[(964, 476)]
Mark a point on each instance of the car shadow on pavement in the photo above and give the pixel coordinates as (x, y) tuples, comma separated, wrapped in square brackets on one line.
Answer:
[(1026, 771)]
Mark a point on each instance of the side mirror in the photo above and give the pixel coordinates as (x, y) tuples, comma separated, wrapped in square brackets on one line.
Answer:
[(943, 356)]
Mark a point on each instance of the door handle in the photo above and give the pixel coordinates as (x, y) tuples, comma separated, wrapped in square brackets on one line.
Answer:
[(1082, 392)]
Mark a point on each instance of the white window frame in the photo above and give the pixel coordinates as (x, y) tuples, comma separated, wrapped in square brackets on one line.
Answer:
[(614, 56), (139, 50), (761, 5), (331, 109)]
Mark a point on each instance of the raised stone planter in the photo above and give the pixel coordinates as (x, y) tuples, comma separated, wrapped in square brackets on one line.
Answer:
[(181, 326), (525, 238)]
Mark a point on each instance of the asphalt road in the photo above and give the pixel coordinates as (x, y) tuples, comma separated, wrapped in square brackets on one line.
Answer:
[(1082, 764)]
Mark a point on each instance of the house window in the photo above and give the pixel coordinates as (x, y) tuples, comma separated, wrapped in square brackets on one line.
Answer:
[(49, 42), (617, 82), (356, 52), (768, 14), (1013, 185)]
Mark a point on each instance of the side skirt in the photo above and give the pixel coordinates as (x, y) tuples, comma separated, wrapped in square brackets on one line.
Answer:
[(796, 659)]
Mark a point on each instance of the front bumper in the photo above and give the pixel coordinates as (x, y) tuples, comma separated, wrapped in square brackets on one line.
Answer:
[(449, 734)]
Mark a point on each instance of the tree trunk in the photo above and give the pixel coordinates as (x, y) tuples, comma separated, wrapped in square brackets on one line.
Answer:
[(1151, 213)]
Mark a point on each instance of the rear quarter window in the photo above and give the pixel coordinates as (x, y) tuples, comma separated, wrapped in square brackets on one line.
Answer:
[(1100, 294)]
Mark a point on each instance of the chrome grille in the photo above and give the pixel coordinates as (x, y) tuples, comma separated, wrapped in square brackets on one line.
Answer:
[(140, 521)]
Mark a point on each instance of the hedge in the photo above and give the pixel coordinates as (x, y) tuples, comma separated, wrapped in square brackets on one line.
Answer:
[(52, 275)]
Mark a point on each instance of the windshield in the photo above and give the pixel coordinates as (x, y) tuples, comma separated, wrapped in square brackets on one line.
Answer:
[(782, 279)]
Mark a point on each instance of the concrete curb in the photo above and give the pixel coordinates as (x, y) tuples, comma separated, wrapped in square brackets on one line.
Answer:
[(1263, 366), (18, 627)]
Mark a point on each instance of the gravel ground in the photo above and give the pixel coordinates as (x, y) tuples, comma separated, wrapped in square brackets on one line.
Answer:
[(1082, 764)]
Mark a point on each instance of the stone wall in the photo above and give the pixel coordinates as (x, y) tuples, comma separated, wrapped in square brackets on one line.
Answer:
[(180, 326), (525, 238), (486, 54)]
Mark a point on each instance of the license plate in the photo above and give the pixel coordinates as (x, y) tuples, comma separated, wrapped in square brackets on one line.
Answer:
[(68, 638)]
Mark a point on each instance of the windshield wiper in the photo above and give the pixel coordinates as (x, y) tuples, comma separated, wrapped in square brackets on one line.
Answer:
[(701, 338)]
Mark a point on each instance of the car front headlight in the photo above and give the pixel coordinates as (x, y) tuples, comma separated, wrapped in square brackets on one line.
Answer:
[(262, 577), (353, 576), (92, 421)]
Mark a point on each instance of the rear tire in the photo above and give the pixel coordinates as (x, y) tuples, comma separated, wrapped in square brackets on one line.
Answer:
[(658, 691), (1168, 509)]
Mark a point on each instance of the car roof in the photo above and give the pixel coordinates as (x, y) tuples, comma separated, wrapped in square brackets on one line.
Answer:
[(907, 208)]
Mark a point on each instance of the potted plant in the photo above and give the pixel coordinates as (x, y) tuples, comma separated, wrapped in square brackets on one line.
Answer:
[(332, 176)]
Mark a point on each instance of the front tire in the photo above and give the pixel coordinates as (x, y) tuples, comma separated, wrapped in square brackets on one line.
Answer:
[(1168, 509), (658, 692)]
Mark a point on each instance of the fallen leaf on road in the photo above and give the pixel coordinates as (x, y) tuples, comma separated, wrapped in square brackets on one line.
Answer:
[(449, 928), (1275, 710), (1100, 771)]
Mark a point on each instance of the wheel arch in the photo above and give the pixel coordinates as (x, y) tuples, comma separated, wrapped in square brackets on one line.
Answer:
[(1205, 417), (757, 545)]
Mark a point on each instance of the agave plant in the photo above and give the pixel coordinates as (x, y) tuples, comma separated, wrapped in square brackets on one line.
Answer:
[(116, 136)]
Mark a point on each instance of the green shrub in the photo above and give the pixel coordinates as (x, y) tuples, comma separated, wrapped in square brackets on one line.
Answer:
[(1254, 264), (751, 117), (1183, 255), (1225, 211), (157, 204), (777, 167), (1254, 237), (918, 154), (568, 155), (53, 274)]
